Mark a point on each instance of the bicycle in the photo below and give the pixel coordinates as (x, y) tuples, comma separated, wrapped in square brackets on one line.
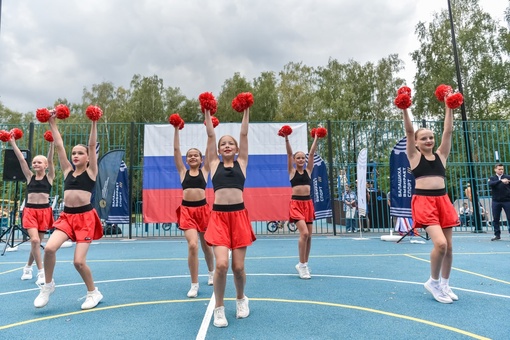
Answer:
[(273, 226)]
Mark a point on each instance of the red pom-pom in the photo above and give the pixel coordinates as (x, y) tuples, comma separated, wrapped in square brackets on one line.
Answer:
[(442, 91), (5, 136), (242, 101), (62, 111), (321, 132), (313, 132), (403, 101), (94, 112), (208, 102), (48, 136), (454, 100), (285, 131), (404, 90), (175, 119), (215, 122), (16, 133), (42, 115), (181, 124)]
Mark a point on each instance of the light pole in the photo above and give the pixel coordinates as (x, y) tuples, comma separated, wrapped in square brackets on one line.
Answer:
[(465, 127)]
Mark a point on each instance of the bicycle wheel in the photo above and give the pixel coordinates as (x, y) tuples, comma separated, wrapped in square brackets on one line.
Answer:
[(166, 226), (292, 226), (272, 226)]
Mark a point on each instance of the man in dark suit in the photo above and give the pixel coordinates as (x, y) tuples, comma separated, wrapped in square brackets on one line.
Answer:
[(500, 190)]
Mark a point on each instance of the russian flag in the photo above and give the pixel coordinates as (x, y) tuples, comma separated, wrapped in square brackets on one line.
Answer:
[(267, 188)]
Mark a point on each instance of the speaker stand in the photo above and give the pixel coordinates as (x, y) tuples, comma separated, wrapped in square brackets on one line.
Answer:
[(9, 242)]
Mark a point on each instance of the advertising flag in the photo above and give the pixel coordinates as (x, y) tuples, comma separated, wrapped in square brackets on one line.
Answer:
[(320, 188)]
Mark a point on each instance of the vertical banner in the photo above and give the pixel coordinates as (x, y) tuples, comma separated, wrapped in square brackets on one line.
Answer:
[(119, 210), (401, 181), (361, 176), (108, 169), (320, 188)]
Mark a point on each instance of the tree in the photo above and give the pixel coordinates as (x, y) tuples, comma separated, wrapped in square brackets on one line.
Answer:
[(265, 106), (483, 59), (296, 93), (230, 89), (146, 101)]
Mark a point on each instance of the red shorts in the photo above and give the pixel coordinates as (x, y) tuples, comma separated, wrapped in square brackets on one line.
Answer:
[(301, 209), (433, 210), (81, 224), (229, 226), (39, 216), (193, 215)]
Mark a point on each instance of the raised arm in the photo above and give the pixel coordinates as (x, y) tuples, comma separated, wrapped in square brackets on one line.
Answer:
[(65, 165), (412, 152), (311, 154), (93, 169), (211, 153), (179, 164), (290, 166), (51, 164), (446, 141), (242, 157), (22, 161)]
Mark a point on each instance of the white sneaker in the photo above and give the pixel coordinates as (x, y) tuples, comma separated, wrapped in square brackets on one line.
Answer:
[(219, 317), (303, 272), (437, 292), (27, 273), (44, 295), (40, 278), (242, 308), (92, 299), (450, 293), (193, 292), (210, 279)]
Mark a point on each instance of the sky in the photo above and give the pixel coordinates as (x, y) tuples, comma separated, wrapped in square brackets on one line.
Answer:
[(55, 49)]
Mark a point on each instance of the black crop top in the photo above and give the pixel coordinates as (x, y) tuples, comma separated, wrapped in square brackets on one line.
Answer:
[(81, 182), (300, 179), (39, 186), (194, 182), (228, 177), (429, 168)]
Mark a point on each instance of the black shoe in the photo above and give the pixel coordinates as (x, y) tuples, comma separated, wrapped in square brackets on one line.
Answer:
[(496, 238)]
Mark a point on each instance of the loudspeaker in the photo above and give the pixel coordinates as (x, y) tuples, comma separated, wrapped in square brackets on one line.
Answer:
[(12, 168)]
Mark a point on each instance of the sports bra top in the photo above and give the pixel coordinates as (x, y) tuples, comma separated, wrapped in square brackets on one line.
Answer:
[(194, 182), (228, 177), (81, 182), (429, 168), (300, 179), (39, 186)]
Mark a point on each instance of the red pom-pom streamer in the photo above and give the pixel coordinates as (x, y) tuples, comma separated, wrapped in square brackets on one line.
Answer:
[(175, 119), (313, 132), (48, 136), (62, 111), (208, 102), (285, 131), (242, 101), (215, 122), (454, 100), (321, 132), (16, 133), (403, 101), (94, 112), (42, 115), (404, 90), (442, 91), (181, 124), (5, 136)]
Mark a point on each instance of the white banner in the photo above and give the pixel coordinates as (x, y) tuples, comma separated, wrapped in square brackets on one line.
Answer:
[(362, 182)]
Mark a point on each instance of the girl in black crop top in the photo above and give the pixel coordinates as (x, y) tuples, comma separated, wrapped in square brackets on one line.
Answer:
[(79, 221), (301, 210), (429, 169), (37, 215), (194, 213), (230, 226)]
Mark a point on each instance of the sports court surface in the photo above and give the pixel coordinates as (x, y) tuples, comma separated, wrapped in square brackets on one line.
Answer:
[(360, 289)]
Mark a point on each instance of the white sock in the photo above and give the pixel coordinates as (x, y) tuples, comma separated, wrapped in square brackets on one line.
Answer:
[(444, 282), (194, 284), (301, 265), (434, 282)]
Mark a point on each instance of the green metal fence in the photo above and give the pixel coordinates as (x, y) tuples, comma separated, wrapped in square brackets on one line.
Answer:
[(489, 142)]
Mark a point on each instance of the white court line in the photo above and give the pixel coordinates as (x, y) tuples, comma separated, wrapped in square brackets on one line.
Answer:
[(206, 321)]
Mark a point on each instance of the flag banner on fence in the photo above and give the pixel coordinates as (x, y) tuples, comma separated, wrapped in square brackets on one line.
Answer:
[(320, 188), (267, 188), (404, 225), (401, 181), (108, 169), (119, 209), (361, 178)]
